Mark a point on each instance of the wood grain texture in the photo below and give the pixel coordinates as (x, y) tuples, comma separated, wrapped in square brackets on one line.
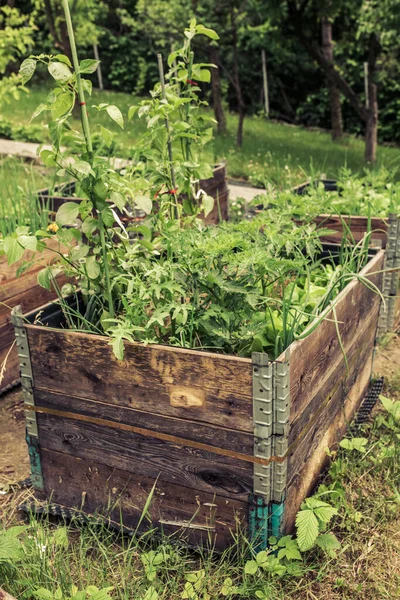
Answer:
[(212, 435), (177, 510), (148, 378), (324, 393), (146, 456)]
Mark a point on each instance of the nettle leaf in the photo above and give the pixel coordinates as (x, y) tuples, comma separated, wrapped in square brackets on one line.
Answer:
[(88, 65), (144, 203), (107, 136), (307, 529), (60, 71), (27, 70), (116, 115), (67, 213), (328, 543), (92, 267), (63, 105)]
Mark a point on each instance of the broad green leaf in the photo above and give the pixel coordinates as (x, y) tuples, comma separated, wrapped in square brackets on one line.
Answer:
[(101, 189), (88, 65), (63, 104), (92, 267), (208, 204), (89, 225), (106, 135), (118, 199), (13, 250), (45, 278), (144, 203), (38, 110), (60, 71), (48, 157), (43, 594), (87, 86), (132, 111), (387, 404), (251, 567), (116, 115), (354, 444), (60, 537), (64, 59), (108, 217), (208, 32), (325, 513), (27, 70), (151, 594), (307, 529), (82, 167), (29, 242), (67, 213)]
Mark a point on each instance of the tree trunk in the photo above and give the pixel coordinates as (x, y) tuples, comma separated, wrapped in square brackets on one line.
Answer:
[(371, 129), (239, 132), (333, 92), (217, 91)]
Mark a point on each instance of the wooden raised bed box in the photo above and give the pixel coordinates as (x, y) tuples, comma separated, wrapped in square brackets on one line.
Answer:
[(223, 440), (385, 234), (216, 186), (25, 291)]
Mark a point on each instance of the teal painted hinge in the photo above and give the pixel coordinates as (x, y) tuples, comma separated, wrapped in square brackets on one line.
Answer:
[(32, 434), (258, 522)]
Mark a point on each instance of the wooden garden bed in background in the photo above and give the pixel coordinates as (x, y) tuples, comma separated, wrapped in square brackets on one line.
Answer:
[(25, 291), (216, 187), (219, 441)]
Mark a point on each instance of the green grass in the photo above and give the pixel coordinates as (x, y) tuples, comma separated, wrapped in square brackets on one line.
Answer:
[(272, 152)]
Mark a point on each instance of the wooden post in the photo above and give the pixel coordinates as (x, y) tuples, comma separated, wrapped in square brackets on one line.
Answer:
[(366, 85), (99, 74), (265, 83)]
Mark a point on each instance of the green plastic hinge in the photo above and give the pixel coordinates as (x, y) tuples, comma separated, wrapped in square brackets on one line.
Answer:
[(258, 522)]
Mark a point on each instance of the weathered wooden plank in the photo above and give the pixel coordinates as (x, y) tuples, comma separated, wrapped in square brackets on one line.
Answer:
[(313, 358), (308, 473), (146, 456), (212, 435), (198, 386), (96, 488), (11, 372), (32, 296)]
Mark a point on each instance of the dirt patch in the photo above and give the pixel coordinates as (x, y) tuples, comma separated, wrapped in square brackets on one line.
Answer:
[(14, 459)]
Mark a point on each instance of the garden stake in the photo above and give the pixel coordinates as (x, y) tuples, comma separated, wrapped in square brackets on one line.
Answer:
[(86, 131)]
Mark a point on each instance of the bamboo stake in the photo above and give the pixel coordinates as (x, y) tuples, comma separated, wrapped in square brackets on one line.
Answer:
[(265, 83), (366, 74), (99, 73), (169, 143)]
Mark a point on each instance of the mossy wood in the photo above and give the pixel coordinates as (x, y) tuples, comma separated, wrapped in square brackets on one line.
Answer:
[(223, 442), (24, 290)]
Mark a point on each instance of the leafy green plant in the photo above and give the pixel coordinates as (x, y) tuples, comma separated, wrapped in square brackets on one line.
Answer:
[(91, 592), (170, 152)]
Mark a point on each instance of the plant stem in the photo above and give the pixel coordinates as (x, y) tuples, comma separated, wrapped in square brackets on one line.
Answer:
[(81, 93), (106, 271), (89, 147)]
